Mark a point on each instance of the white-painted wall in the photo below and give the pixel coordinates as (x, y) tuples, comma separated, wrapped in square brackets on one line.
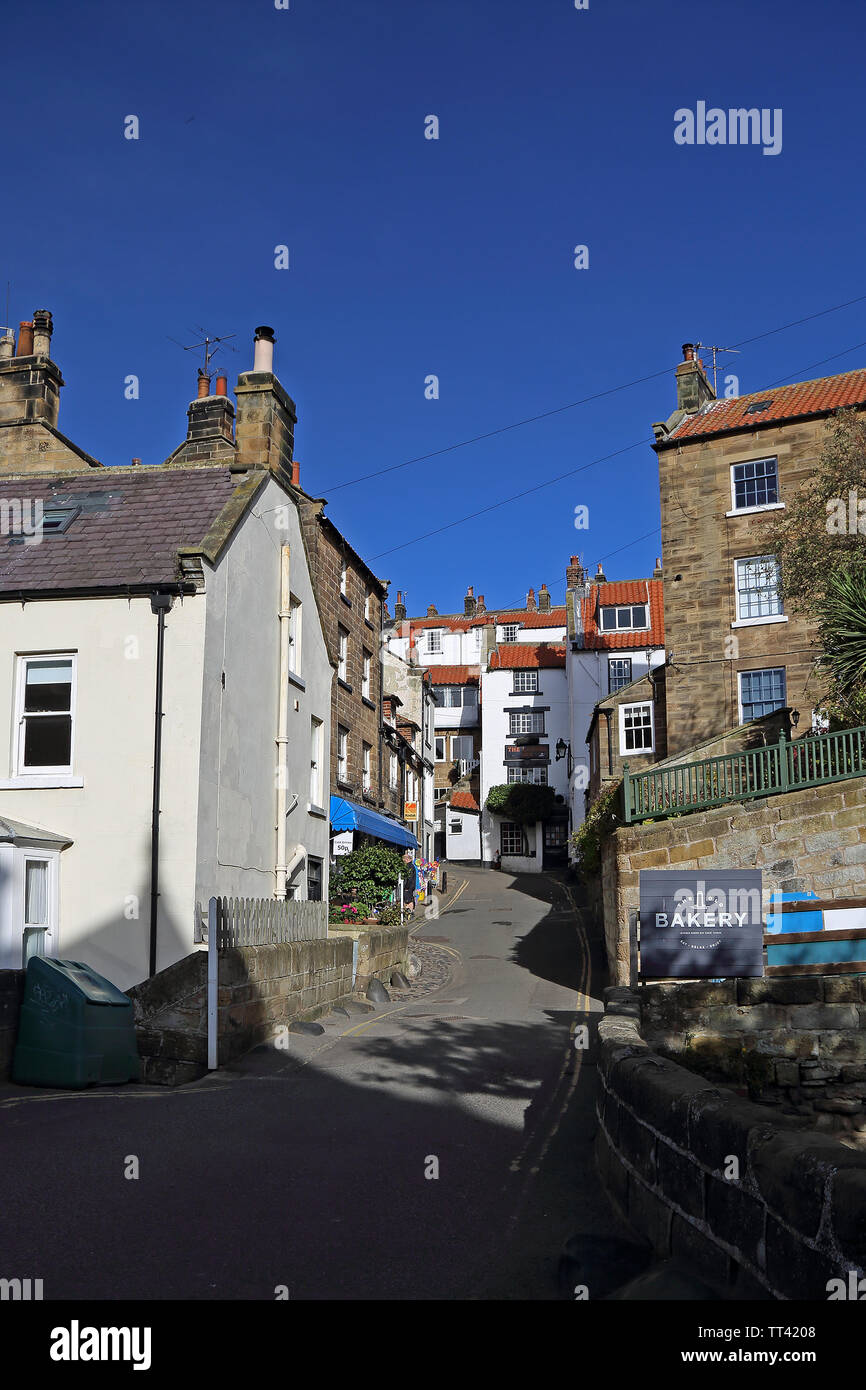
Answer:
[(466, 843), (237, 801), (496, 702), (104, 896)]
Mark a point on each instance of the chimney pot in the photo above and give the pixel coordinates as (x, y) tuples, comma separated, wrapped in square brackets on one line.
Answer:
[(203, 383), (136, 463), (264, 349), (222, 385), (296, 473), (25, 339), (43, 327)]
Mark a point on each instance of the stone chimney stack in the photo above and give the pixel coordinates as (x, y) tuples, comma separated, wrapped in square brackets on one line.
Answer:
[(544, 599), (600, 577), (265, 432), (530, 601), (210, 433), (469, 602), (432, 611), (30, 382), (657, 572), (693, 387), (399, 608)]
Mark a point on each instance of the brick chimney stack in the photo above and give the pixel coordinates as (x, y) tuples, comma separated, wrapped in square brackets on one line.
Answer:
[(432, 611), (266, 414), (693, 387), (530, 601), (544, 599), (469, 602), (575, 574), (480, 606), (399, 608)]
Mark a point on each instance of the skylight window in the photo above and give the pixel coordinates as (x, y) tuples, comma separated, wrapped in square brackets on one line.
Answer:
[(757, 407), (57, 519)]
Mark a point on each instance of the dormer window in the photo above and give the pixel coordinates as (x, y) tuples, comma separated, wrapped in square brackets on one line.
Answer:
[(623, 617)]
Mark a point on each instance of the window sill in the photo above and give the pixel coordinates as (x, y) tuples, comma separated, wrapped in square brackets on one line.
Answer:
[(345, 786), (47, 780), (369, 625), (297, 680), (761, 622), (367, 702), (751, 511), (345, 685), (347, 601), (316, 810)]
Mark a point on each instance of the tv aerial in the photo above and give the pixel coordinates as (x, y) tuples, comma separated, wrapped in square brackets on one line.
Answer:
[(209, 344), (714, 350)]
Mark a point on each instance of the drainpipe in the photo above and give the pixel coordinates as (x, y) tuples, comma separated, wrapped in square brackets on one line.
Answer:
[(285, 613), (160, 604)]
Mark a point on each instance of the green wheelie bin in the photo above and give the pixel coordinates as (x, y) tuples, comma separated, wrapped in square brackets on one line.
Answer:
[(76, 1028)]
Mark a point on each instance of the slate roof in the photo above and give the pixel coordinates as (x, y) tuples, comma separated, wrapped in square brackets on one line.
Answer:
[(127, 533), (783, 403), (624, 592)]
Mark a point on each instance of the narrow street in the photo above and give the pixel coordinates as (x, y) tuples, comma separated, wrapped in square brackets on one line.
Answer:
[(306, 1167)]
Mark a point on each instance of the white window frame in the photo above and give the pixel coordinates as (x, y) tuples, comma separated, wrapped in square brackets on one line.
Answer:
[(62, 773), (295, 635), (519, 677), (439, 743), (533, 776), (343, 655), (762, 619), (393, 778), (434, 641), (525, 722), (366, 765), (618, 608), (368, 595), (367, 659), (455, 825), (512, 628), (458, 739), (625, 752), (317, 729), (344, 578), (762, 506), (42, 856), (512, 831), (342, 753)]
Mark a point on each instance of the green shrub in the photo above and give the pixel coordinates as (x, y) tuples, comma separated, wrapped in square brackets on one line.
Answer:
[(522, 802), (366, 875), (602, 819)]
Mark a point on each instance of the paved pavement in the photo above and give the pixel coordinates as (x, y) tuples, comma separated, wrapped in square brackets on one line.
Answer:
[(307, 1167)]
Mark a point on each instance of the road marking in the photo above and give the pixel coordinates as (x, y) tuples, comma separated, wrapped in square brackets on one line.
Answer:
[(359, 1028)]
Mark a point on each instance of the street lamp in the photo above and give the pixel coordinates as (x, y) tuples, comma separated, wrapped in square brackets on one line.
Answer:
[(563, 748)]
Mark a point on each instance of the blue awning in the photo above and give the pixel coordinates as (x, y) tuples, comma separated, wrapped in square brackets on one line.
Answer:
[(348, 815)]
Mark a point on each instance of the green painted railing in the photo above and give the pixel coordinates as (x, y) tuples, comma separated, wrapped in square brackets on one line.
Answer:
[(778, 767)]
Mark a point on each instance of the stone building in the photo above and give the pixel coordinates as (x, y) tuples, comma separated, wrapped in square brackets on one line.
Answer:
[(726, 467)]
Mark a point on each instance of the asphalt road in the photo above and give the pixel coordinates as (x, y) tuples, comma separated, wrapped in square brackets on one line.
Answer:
[(308, 1168)]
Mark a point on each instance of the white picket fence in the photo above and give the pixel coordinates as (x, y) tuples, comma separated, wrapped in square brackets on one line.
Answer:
[(265, 921)]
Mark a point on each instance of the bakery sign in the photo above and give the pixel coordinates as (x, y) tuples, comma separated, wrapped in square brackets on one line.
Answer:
[(701, 925)]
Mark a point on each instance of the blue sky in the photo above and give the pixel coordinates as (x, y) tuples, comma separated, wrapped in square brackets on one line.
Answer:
[(411, 257)]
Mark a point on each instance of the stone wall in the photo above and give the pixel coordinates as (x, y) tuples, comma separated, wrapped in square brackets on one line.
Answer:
[(798, 1042), (810, 840), (699, 577), (380, 952), (757, 1205)]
